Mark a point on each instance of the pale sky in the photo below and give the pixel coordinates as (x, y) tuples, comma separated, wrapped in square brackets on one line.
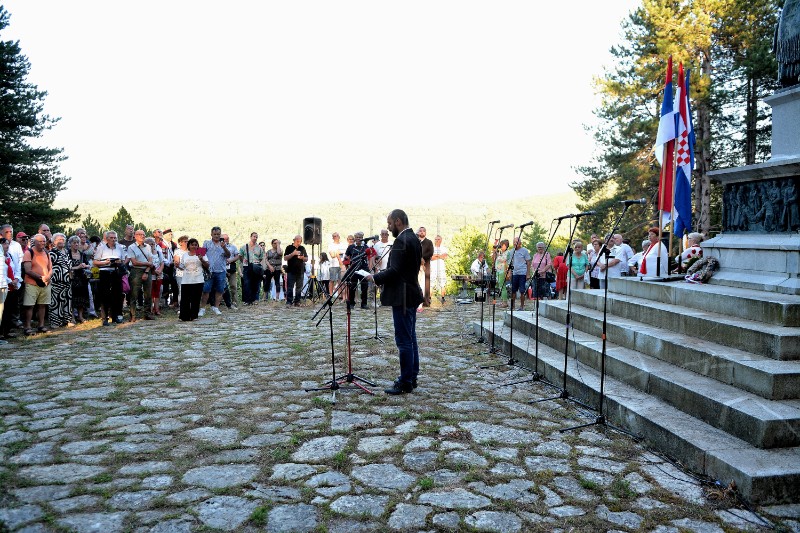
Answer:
[(424, 101)]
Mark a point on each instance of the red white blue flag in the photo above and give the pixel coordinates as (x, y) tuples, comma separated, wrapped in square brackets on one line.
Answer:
[(685, 157), (665, 146)]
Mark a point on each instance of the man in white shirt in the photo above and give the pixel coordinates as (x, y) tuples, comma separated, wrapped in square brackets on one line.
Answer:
[(382, 249), (335, 256), (15, 251), (480, 268), (621, 253), (140, 256), (438, 273)]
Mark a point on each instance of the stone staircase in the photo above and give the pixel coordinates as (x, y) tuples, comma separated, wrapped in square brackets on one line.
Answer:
[(708, 374)]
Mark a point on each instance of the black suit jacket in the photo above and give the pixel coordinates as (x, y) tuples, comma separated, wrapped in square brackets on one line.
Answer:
[(427, 249), (399, 280)]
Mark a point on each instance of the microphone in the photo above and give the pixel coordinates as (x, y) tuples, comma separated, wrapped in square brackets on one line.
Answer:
[(373, 238), (506, 226), (640, 201), (525, 224), (577, 215), (494, 222)]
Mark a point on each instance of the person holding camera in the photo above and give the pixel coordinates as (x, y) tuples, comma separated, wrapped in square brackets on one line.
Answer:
[(217, 254), (252, 257), (140, 256), (80, 278), (296, 257), (108, 258)]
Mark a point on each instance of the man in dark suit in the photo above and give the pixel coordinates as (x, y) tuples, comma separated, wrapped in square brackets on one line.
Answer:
[(427, 253), (401, 291)]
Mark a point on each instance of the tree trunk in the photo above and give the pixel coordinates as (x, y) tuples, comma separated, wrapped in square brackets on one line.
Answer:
[(751, 122), (704, 161)]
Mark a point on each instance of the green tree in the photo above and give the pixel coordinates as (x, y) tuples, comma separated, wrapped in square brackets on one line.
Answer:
[(462, 251), (30, 176), (121, 219), (723, 42), (92, 226)]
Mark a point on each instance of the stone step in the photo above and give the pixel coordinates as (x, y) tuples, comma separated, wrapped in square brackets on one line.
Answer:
[(764, 376), (769, 307), (762, 423), (776, 342), (761, 475)]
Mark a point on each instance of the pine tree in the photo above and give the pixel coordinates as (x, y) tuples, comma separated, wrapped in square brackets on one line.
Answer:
[(120, 220), (724, 43), (92, 226), (30, 176)]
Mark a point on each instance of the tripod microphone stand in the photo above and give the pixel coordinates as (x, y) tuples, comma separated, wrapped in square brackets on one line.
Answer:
[(567, 259), (350, 378), (536, 376), (511, 361), (494, 292), (378, 261), (481, 338), (600, 419)]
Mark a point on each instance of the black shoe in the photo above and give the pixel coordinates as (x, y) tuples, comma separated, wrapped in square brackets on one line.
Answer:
[(364, 306), (414, 383), (399, 388)]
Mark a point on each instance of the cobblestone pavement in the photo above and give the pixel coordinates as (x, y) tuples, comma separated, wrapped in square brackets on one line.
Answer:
[(171, 427)]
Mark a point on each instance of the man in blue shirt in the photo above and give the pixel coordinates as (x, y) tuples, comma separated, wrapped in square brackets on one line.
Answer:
[(217, 254), (520, 261)]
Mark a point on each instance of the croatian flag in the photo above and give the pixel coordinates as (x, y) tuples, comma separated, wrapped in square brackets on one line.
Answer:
[(685, 160), (665, 147)]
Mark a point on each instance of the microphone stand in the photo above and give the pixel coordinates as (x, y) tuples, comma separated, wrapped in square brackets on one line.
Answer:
[(493, 349), (536, 376), (600, 419), (350, 378), (511, 361), (375, 299), (567, 259), (481, 338)]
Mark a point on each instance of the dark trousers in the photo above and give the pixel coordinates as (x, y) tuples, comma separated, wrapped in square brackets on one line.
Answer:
[(294, 287), (140, 289), (190, 300), (426, 297), (273, 277), (405, 336), (170, 292), (540, 288), (109, 289), (351, 284), (250, 286)]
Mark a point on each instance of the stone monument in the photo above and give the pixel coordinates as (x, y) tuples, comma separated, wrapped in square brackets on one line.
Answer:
[(759, 247)]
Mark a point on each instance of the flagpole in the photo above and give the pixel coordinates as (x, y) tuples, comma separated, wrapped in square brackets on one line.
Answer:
[(660, 209), (673, 214)]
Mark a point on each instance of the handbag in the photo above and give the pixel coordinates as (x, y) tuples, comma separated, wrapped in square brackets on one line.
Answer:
[(256, 269), (126, 286)]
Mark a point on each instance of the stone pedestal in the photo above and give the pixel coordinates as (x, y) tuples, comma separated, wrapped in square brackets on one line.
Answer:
[(785, 106), (759, 247), (756, 261)]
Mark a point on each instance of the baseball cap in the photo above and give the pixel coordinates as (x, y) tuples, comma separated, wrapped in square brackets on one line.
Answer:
[(21, 234)]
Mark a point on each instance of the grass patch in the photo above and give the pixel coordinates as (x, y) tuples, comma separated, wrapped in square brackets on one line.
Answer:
[(425, 483), (588, 484), (432, 415), (621, 489), (105, 477), (259, 515), (341, 460), (403, 414)]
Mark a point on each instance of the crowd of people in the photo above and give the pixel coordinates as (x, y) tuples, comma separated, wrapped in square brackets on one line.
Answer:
[(514, 272), (55, 280)]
